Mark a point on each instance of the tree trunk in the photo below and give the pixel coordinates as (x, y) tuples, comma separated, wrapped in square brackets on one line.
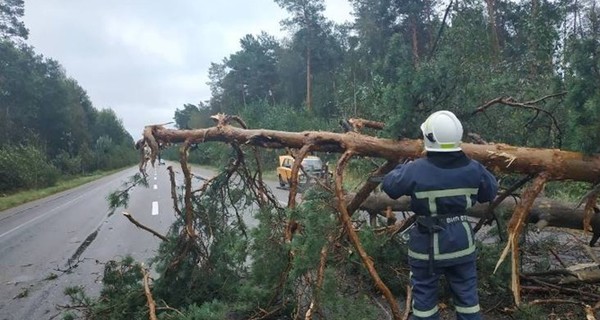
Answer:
[(495, 39), (309, 42), (415, 41), (308, 82), (543, 164), (545, 212), (560, 165)]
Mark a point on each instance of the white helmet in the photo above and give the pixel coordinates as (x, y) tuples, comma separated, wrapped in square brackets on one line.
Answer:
[(442, 132)]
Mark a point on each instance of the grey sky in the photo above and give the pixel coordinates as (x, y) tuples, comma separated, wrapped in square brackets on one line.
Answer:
[(144, 59)]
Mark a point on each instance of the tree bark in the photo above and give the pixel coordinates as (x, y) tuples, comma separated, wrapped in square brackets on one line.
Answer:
[(499, 158), (544, 164), (308, 81), (495, 38), (354, 239), (148, 293), (415, 41), (544, 212)]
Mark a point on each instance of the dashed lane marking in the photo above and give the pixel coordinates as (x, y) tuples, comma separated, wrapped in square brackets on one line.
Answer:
[(154, 208)]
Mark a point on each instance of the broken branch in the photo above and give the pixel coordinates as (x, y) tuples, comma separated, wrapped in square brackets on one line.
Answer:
[(141, 226), (149, 298), (347, 223)]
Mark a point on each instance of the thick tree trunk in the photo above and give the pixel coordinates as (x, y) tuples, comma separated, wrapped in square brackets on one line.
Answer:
[(308, 81), (543, 164), (415, 41), (560, 165), (544, 212), (495, 38)]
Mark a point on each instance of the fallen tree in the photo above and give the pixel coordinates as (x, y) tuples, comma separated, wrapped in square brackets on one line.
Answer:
[(544, 212), (541, 165), (558, 164)]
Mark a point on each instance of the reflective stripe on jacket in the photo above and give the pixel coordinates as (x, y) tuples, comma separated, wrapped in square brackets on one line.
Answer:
[(442, 184)]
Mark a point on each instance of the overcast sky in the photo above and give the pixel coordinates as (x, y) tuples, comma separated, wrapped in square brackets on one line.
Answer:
[(144, 59)]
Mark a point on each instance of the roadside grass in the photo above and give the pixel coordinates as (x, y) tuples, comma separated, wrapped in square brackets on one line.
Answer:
[(19, 198)]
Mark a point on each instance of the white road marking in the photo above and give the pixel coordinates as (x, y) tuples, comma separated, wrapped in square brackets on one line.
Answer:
[(154, 178), (155, 187), (154, 208), (50, 211)]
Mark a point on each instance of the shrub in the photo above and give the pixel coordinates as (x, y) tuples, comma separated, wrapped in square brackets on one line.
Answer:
[(67, 164), (25, 167)]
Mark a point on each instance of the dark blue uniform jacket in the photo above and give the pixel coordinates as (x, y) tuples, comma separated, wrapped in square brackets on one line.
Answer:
[(443, 183)]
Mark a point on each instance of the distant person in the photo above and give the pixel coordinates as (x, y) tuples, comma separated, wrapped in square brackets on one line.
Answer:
[(442, 186), (158, 155), (160, 147)]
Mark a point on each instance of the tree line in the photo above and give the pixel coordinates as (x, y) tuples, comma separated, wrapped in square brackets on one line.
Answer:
[(519, 72), (48, 125)]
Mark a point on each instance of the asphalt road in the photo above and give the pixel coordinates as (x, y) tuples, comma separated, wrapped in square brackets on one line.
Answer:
[(64, 240)]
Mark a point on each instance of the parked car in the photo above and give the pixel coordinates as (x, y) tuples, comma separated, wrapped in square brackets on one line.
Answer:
[(312, 165)]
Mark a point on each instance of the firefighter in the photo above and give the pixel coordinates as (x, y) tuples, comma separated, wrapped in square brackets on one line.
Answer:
[(442, 186)]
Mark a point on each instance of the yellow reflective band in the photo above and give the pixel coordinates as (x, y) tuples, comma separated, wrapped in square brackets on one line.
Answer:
[(432, 195), (469, 310), (442, 256), (446, 193), (448, 145), (445, 256), (469, 233), (424, 314)]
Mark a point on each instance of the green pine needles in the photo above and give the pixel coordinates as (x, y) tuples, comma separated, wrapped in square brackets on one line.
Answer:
[(228, 256)]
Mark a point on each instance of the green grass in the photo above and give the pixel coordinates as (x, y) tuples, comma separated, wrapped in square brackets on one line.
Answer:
[(19, 198)]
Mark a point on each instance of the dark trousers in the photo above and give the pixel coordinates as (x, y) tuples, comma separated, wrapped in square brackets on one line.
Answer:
[(462, 280)]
